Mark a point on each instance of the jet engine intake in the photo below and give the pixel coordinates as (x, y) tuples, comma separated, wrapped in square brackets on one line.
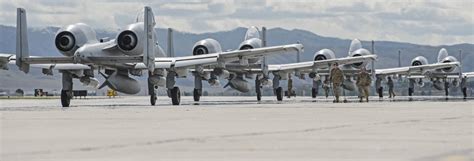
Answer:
[(70, 38), (206, 46)]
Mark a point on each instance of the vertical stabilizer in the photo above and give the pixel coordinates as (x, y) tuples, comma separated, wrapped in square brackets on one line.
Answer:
[(170, 43), (264, 44), (149, 28), (21, 40)]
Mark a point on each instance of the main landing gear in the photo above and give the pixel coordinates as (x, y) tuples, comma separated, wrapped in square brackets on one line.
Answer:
[(66, 92)]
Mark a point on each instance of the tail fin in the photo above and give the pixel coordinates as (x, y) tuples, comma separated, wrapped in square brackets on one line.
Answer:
[(21, 40), (149, 27), (460, 63), (170, 43), (443, 53), (264, 44), (355, 45)]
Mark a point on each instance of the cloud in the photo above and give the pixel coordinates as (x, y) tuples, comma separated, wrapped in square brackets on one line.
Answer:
[(419, 21)]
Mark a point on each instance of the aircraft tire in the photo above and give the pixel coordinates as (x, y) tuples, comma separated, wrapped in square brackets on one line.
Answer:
[(279, 94), (65, 99), (175, 96)]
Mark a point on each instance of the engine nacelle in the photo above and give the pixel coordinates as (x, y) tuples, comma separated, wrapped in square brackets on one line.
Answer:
[(72, 37), (206, 46), (360, 52), (240, 84), (251, 44), (131, 40), (157, 80), (324, 54), (123, 83), (448, 59), (419, 60)]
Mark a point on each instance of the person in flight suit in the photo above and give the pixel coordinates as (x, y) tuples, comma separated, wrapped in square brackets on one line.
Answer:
[(363, 83), (336, 77), (390, 87)]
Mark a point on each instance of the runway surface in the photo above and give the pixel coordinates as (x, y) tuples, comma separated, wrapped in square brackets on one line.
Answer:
[(237, 128)]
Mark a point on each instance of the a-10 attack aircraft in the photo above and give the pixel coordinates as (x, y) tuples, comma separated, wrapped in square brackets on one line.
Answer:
[(235, 72), (357, 58), (446, 68), (134, 50)]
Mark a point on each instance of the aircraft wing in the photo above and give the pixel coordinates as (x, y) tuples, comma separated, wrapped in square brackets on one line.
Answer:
[(258, 52), (468, 74), (308, 66), (415, 69), (214, 58), (6, 59)]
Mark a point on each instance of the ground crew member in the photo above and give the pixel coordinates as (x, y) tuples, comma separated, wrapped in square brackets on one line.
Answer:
[(390, 87), (363, 83), (326, 87), (464, 87), (336, 77)]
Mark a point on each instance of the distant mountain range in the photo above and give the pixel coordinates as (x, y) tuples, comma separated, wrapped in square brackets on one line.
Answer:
[(41, 43)]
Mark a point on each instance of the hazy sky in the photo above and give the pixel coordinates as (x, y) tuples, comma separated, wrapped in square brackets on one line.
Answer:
[(432, 22)]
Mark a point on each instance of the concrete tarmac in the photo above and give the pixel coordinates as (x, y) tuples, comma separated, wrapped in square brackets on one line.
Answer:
[(236, 128)]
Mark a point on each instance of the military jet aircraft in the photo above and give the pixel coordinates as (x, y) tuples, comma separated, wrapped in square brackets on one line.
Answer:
[(357, 58), (446, 68), (236, 72), (133, 51)]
